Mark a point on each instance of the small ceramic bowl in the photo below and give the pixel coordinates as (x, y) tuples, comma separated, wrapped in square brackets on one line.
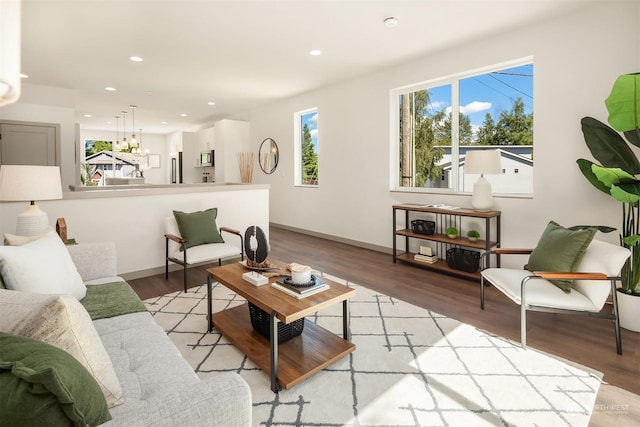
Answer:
[(300, 274)]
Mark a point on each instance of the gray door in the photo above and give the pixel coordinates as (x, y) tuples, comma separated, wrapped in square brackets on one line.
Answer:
[(27, 144)]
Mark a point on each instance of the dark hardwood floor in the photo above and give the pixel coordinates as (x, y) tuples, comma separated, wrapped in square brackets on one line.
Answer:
[(587, 341)]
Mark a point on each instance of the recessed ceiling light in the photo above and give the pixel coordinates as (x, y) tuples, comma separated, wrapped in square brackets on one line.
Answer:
[(315, 52), (135, 58), (391, 22), (110, 89), (211, 103), (88, 115), (163, 123), (24, 76), (183, 115)]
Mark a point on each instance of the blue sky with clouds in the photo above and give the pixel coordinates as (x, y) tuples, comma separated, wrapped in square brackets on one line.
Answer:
[(488, 93), (311, 120)]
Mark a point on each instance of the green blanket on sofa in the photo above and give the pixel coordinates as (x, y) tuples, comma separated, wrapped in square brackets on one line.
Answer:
[(110, 300)]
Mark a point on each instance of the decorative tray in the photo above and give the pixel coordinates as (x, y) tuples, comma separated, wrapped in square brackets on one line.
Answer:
[(313, 282), (244, 264)]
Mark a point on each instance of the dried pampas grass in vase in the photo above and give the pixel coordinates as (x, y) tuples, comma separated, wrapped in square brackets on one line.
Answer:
[(245, 161)]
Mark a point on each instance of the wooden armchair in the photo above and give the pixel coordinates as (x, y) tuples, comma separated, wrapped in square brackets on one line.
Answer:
[(592, 283), (178, 252)]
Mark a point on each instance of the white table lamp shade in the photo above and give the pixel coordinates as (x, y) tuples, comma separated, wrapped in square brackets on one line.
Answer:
[(30, 183), (482, 162)]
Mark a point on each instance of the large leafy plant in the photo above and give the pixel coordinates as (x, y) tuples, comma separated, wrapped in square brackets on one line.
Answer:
[(619, 168)]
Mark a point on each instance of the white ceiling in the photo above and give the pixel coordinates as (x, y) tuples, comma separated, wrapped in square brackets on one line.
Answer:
[(239, 54)]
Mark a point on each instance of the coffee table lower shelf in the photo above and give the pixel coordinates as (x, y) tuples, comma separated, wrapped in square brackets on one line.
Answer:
[(298, 359)]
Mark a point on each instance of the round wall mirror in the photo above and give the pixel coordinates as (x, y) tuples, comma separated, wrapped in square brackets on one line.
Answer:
[(268, 156)]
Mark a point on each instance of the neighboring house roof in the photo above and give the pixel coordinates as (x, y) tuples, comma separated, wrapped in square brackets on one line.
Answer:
[(107, 158), (509, 151)]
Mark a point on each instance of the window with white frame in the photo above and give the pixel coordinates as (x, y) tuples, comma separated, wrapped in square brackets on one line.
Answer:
[(494, 111), (306, 147)]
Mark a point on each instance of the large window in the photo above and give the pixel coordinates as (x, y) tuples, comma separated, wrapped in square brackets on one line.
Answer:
[(306, 147), (434, 124)]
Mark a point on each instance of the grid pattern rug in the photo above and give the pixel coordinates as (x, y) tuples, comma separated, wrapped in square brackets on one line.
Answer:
[(411, 367)]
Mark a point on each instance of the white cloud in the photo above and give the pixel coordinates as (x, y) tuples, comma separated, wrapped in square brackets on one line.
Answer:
[(475, 107), (314, 118)]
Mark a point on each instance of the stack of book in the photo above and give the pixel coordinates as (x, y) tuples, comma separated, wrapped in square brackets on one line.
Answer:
[(284, 285), (431, 259)]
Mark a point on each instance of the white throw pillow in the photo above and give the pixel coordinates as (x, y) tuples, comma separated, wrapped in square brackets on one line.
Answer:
[(63, 322), (14, 240), (43, 266)]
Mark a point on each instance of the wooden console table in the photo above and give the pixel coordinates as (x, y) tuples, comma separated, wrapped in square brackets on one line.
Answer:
[(443, 219)]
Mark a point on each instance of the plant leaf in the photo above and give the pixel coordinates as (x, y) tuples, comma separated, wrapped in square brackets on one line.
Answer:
[(631, 187), (608, 146), (611, 176), (623, 196), (633, 136), (631, 240), (601, 228), (623, 103), (585, 168)]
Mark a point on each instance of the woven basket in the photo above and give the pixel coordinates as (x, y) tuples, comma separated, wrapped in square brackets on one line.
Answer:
[(260, 320), (463, 259)]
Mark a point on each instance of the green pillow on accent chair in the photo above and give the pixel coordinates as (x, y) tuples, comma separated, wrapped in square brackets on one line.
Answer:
[(560, 249), (43, 385), (198, 228)]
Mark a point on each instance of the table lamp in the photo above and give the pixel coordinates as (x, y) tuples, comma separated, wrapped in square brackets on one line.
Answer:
[(20, 183), (482, 162)]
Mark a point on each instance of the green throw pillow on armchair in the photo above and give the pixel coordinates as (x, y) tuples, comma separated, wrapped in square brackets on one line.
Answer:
[(43, 385), (198, 228), (560, 249)]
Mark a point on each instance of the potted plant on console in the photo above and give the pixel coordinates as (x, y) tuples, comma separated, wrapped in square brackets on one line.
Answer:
[(616, 176), (473, 235), (452, 232)]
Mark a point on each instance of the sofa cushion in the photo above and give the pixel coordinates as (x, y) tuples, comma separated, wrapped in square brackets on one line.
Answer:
[(63, 322), (198, 228), (560, 249), (42, 266), (43, 385)]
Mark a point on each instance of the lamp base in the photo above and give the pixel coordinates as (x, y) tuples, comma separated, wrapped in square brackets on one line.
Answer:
[(482, 199), (32, 221)]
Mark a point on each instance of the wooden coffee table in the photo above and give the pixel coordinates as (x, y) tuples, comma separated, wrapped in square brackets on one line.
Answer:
[(296, 359)]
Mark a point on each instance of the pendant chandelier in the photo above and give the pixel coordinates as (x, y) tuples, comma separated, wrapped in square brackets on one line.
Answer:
[(125, 144), (117, 146), (134, 143)]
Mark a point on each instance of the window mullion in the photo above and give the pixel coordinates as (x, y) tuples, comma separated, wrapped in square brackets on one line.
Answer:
[(455, 135)]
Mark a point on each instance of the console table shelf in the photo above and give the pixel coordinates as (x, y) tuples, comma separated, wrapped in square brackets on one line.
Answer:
[(443, 218)]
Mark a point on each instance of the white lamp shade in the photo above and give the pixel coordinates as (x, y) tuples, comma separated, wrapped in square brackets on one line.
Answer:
[(482, 162), (20, 183), (24, 183)]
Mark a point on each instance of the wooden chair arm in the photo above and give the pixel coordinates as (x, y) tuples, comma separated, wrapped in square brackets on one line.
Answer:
[(503, 251), (230, 230), (553, 275), (176, 239)]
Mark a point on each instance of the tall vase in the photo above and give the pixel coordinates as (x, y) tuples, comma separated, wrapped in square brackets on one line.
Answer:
[(629, 310)]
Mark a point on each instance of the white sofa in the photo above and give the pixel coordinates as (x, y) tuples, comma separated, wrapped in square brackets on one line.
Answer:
[(159, 386)]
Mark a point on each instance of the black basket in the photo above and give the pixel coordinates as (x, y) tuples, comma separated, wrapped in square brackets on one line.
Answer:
[(421, 226), (260, 321), (463, 259)]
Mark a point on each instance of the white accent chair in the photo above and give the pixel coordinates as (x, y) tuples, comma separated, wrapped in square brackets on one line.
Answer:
[(177, 252), (593, 282)]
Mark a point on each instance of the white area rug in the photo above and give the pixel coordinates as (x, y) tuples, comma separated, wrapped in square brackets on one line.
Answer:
[(411, 367)]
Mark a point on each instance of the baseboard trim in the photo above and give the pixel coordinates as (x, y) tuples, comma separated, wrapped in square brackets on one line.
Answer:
[(333, 238)]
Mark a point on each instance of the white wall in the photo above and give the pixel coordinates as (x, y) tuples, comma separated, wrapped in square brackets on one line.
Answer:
[(576, 59), (136, 223)]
